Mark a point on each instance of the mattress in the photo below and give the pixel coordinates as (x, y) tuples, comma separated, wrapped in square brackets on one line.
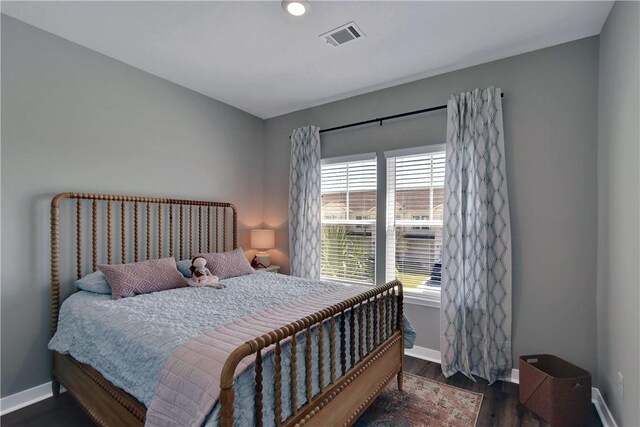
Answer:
[(129, 340)]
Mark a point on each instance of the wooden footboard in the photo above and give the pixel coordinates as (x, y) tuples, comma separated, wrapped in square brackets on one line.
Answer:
[(356, 374), (345, 401), (378, 350)]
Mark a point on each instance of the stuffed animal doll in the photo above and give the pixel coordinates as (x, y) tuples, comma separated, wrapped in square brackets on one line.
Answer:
[(201, 276)]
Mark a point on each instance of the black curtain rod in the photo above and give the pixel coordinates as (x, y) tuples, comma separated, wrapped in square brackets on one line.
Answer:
[(384, 119)]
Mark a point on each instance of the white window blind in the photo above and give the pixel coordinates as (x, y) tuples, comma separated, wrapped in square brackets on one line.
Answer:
[(349, 191), (415, 201)]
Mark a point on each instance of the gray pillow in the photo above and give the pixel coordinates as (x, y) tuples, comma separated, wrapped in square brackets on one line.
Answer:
[(94, 282), (184, 267)]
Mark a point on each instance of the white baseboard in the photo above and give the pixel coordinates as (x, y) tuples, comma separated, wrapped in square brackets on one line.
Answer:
[(596, 398), (27, 397), (602, 408), (423, 353), (434, 356), (513, 377)]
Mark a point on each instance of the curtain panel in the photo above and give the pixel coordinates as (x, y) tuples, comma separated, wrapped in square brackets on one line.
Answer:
[(304, 203), (475, 316)]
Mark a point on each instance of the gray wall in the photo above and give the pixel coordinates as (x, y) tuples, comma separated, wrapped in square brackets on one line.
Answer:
[(75, 120), (618, 295), (550, 116)]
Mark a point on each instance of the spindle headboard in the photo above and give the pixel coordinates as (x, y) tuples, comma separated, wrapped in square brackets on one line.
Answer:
[(182, 228)]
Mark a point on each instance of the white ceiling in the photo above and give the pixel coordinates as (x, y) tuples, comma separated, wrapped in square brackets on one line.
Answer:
[(255, 57)]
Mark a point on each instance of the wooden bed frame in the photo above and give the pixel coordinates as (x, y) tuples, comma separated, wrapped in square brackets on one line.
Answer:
[(189, 225)]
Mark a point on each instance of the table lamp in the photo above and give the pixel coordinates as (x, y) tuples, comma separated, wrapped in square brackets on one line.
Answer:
[(262, 240)]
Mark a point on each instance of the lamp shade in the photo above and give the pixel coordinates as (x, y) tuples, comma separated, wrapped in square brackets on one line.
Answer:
[(262, 239)]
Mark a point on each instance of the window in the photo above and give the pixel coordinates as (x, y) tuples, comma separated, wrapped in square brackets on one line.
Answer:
[(349, 191), (415, 201)]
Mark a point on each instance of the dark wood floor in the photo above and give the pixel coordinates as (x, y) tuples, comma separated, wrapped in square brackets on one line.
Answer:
[(500, 405)]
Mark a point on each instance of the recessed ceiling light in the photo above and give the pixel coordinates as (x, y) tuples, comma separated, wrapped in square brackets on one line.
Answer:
[(295, 7)]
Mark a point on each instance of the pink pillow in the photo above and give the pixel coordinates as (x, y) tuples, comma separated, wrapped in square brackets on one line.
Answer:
[(128, 280), (228, 264)]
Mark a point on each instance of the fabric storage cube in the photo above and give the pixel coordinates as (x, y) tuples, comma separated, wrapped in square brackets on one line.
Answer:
[(555, 390)]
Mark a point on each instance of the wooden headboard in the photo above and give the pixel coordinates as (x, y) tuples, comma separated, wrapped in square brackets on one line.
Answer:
[(170, 228)]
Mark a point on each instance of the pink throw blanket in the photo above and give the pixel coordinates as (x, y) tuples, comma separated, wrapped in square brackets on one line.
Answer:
[(189, 384)]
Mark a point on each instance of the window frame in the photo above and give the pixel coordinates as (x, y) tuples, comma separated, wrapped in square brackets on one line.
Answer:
[(422, 297), (364, 157)]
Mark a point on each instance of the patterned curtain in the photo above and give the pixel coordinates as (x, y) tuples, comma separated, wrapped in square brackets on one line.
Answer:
[(304, 203), (475, 316)]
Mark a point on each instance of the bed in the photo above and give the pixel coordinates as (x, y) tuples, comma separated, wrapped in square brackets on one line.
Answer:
[(320, 360)]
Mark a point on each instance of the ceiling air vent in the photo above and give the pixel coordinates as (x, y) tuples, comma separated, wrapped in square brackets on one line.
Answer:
[(343, 34)]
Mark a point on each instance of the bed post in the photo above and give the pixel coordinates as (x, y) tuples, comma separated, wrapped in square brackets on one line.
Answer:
[(226, 404), (226, 383), (55, 388), (235, 225), (55, 275)]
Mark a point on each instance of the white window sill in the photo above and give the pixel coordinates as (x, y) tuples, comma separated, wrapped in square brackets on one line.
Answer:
[(423, 297), (346, 282)]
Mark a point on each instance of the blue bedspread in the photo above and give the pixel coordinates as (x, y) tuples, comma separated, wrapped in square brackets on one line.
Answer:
[(129, 340)]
